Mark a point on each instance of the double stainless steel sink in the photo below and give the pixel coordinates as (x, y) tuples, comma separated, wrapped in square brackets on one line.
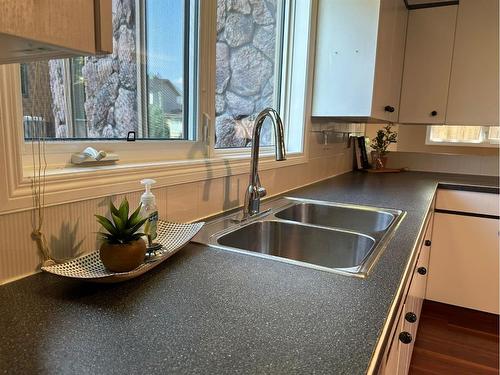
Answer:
[(328, 236)]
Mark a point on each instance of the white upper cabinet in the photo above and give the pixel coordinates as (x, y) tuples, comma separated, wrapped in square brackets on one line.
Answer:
[(473, 97), (427, 67), (40, 29), (451, 65), (359, 59)]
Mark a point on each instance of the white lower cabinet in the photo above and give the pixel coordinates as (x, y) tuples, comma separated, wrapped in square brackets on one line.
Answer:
[(465, 250), (461, 270), (465, 262), (400, 349)]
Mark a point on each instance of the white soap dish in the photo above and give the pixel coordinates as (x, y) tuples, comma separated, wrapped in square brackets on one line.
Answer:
[(172, 237)]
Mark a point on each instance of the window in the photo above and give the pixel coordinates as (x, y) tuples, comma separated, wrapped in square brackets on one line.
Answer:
[(189, 72), (478, 136), (249, 58), (143, 86)]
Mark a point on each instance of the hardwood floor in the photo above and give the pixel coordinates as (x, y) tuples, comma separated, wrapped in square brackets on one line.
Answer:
[(455, 340)]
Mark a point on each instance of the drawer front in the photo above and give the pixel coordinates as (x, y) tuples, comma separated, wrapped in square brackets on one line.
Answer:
[(468, 201)]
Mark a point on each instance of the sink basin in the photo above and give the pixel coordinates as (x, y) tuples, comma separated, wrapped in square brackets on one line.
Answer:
[(333, 237), (318, 246), (355, 219)]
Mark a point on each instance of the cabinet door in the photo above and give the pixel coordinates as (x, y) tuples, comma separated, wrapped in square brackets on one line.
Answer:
[(389, 63), (346, 41), (464, 264), (68, 24), (427, 66), (43, 29), (473, 97)]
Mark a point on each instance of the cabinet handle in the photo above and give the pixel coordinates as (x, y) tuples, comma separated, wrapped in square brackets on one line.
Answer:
[(434, 113), (389, 108), (405, 337), (428, 243), (422, 270), (411, 317)]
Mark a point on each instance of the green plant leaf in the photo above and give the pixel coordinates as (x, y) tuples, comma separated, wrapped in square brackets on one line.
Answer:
[(135, 217), (113, 209), (107, 224), (123, 210), (136, 236), (136, 227), (134, 222), (119, 223), (106, 237)]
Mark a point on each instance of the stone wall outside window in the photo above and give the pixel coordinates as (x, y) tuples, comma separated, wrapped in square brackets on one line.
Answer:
[(245, 68)]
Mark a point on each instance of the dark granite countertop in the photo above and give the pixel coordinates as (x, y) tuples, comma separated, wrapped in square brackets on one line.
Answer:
[(212, 311)]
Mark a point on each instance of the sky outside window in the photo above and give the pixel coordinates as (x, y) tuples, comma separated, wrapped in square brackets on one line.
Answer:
[(165, 68), (165, 30)]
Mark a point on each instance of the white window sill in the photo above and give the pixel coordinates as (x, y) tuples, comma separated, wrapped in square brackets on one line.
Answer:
[(70, 184)]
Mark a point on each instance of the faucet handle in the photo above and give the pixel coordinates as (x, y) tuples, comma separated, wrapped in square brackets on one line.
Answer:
[(261, 190)]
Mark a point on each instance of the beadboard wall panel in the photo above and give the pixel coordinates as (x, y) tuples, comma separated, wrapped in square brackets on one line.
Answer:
[(70, 228)]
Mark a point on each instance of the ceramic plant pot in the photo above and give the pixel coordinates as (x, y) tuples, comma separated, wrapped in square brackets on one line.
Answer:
[(123, 257)]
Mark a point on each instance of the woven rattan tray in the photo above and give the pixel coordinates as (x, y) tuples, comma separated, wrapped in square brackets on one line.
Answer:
[(172, 237)]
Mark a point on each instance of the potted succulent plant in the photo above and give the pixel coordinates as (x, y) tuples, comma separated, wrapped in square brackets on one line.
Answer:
[(380, 143), (122, 247)]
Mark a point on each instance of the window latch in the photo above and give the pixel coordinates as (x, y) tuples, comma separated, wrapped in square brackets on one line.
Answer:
[(131, 136)]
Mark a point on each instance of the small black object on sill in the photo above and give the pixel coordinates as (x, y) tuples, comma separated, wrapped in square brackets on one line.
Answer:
[(131, 136)]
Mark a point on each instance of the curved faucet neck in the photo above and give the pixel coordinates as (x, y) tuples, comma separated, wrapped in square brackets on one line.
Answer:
[(255, 191)]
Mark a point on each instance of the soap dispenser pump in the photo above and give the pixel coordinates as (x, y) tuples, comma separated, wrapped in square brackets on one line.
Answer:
[(149, 211)]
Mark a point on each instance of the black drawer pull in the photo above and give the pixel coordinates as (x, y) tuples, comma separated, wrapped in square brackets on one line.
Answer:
[(428, 243), (411, 317), (434, 113), (405, 337), (422, 270), (389, 108)]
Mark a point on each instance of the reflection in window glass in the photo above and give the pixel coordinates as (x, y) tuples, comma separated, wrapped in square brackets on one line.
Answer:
[(105, 97), (247, 68)]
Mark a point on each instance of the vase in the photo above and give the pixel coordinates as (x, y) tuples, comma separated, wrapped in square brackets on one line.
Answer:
[(379, 160)]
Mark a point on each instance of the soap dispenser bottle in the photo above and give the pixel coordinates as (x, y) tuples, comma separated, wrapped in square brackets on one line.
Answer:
[(149, 211)]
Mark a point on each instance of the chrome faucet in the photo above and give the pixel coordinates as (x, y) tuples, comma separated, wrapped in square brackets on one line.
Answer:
[(254, 190)]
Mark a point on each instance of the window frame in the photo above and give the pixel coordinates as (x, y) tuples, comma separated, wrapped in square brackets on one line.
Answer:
[(149, 158)]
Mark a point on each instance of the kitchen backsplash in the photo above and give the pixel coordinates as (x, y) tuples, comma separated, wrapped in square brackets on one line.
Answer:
[(70, 228)]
